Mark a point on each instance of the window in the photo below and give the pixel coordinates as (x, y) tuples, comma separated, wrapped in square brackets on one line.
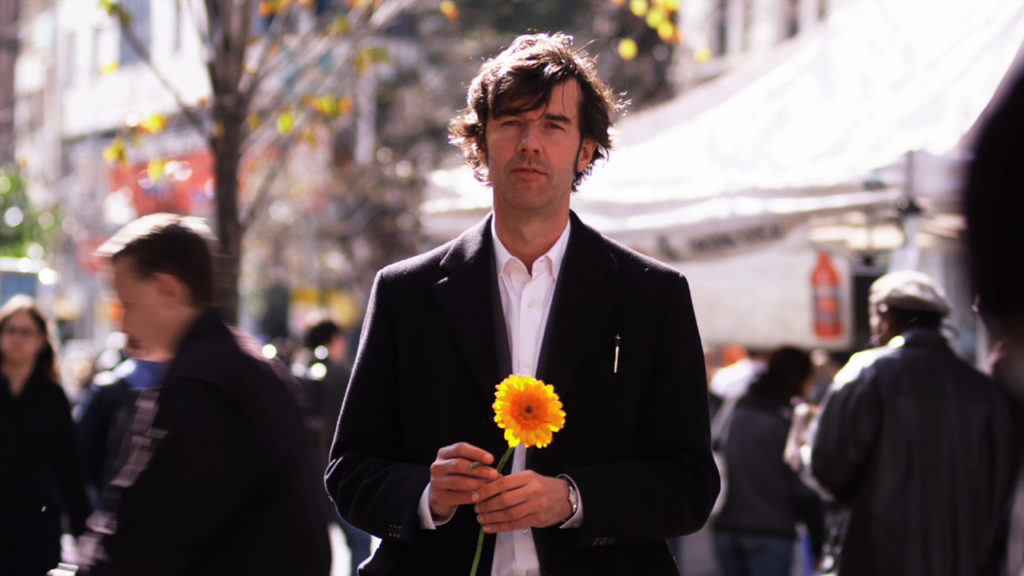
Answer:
[(791, 25), (721, 27), (176, 34), (69, 62), (139, 11)]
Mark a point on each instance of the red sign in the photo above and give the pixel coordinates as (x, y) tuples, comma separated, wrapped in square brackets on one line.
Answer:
[(182, 185)]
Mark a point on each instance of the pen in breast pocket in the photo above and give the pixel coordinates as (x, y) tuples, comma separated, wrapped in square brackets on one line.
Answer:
[(618, 344)]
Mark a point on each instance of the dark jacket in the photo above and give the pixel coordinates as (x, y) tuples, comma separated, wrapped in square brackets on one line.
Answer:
[(765, 496), (325, 383), (1008, 370), (105, 414), (41, 477), (918, 445), (219, 479), (636, 440)]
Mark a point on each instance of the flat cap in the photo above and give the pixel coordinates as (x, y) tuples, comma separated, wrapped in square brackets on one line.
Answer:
[(908, 290)]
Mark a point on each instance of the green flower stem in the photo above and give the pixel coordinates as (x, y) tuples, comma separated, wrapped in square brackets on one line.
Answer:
[(480, 538), (504, 459)]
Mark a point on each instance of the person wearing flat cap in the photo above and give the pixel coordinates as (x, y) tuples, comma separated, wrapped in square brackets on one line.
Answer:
[(914, 444)]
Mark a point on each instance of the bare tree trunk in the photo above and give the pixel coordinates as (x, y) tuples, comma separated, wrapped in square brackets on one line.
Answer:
[(228, 24), (227, 152), (8, 55)]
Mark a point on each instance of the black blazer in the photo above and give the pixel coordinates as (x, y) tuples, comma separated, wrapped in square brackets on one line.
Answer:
[(636, 442)]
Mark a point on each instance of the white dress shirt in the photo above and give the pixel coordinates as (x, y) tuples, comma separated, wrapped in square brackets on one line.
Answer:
[(526, 303)]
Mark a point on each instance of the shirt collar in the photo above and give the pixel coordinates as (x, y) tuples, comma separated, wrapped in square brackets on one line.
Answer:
[(552, 257)]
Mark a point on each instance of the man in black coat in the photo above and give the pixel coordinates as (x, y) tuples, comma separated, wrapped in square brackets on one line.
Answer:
[(993, 204), (216, 476), (916, 443), (531, 290)]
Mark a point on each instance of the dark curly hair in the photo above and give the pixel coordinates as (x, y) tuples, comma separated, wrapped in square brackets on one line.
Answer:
[(521, 79)]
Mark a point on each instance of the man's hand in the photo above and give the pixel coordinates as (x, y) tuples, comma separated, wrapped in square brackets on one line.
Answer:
[(457, 473), (522, 500)]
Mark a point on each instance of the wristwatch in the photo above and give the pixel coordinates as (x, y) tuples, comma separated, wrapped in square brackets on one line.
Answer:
[(574, 498)]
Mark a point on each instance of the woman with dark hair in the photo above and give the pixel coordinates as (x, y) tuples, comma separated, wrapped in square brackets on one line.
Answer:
[(42, 478), (755, 532)]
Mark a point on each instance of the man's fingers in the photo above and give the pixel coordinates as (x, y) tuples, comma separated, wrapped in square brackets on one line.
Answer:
[(521, 501), (465, 451), (509, 511), (489, 495), (516, 518), (460, 468), (460, 481), (448, 498), (456, 474)]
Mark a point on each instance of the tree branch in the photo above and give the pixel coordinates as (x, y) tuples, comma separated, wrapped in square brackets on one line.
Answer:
[(314, 51), (250, 83), (261, 195), (145, 56), (202, 27), (305, 61), (282, 95)]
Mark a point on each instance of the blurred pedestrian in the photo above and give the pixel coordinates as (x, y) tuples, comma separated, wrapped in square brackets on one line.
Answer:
[(914, 442), (42, 477), (755, 533), (994, 205), (216, 476), (825, 369), (107, 408), (740, 368), (711, 368), (326, 379)]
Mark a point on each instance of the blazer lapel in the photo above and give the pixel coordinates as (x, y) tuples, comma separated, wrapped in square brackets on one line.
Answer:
[(468, 294), (584, 292)]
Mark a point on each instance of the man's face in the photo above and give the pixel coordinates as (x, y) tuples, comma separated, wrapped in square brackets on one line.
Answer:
[(148, 308), (881, 327), (532, 157)]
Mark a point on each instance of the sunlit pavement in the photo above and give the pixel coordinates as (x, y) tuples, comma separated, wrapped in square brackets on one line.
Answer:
[(339, 551), (697, 556), (340, 555)]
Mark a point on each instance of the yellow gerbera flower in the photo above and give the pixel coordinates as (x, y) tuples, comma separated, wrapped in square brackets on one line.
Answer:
[(528, 410)]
